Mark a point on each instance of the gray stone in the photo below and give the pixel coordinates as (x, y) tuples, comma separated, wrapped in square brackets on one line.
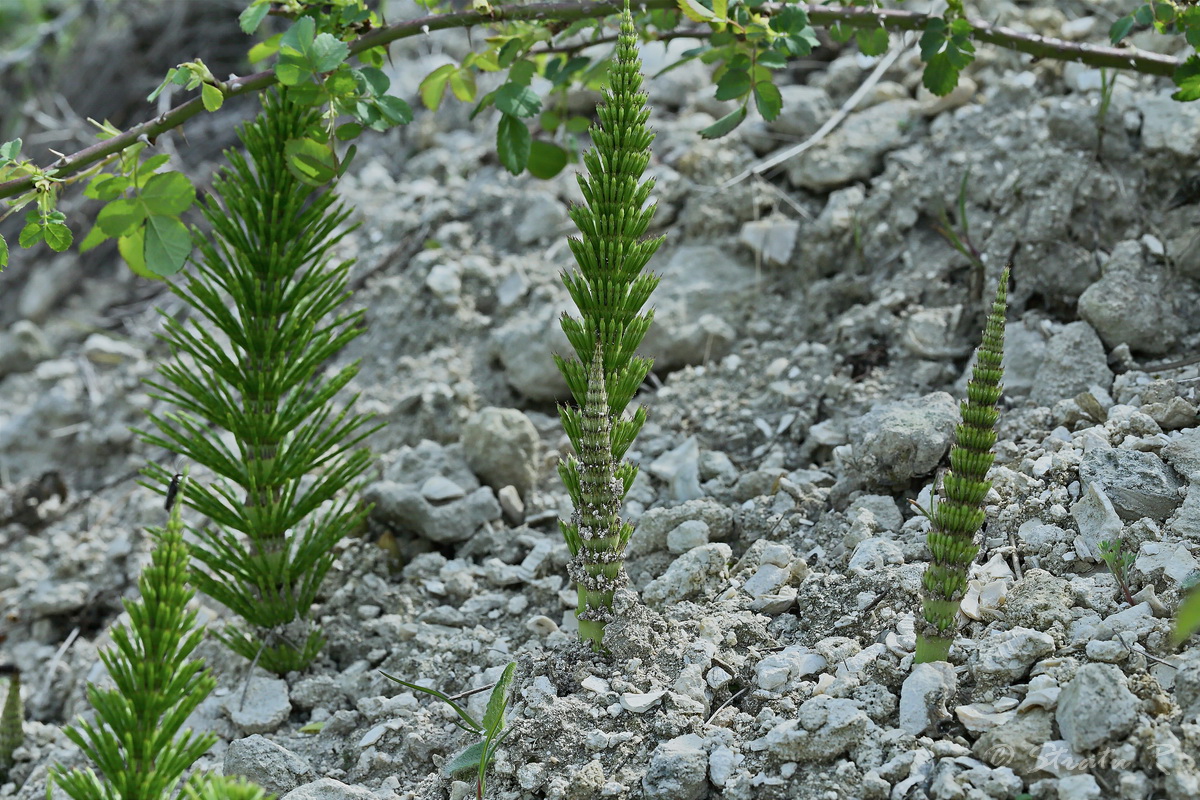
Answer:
[(1169, 125), (525, 346), (502, 447), (544, 217), (924, 695), (438, 489), (690, 533), (1187, 685), (698, 572), (678, 770), (1131, 304), (401, 505), (1008, 655), (1015, 744), (1138, 483), (1097, 519), (899, 441), (826, 728), (780, 672), (1078, 787), (1178, 767), (266, 706), (329, 789), (854, 151), (656, 524), (883, 507), (1096, 707), (22, 347), (1183, 453), (1169, 560), (262, 761), (805, 109), (1073, 361), (680, 470), (874, 554), (772, 239)]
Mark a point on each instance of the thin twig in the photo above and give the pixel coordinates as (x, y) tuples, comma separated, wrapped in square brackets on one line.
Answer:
[(789, 153), (727, 702)]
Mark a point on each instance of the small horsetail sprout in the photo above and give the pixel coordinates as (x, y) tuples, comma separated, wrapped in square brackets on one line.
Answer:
[(958, 514), (609, 288), (12, 733), (136, 738)]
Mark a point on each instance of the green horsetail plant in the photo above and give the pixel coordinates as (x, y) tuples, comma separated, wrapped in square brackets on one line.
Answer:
[(958, 514), (220, 787), (251, 366), (12, 717), (136, 740), (609, 289)]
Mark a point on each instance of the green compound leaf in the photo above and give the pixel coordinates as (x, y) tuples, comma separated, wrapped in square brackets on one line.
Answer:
[(167, 245), (517, 100), (946, 48), (329, 52), (310, 161), (252, 17), (375, 79), (211, 97), (1187, 78), (1120, 29), (121, 216), (462, 84), (133, 249), (434, 86), (58, 236), (10, 150), (768, 100), (872, 42), (546, 160), (3, 253), (693, 10), (170, 194), (395, 110), (513, 143), (94, 237), (31, 234), (725, 124), (303, 54), (733, 84)]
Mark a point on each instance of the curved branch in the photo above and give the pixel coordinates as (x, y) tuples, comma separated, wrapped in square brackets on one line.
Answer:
[(566, 12)]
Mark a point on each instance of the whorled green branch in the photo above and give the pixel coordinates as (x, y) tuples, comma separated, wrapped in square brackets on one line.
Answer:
[(958, 514), (609, 289)]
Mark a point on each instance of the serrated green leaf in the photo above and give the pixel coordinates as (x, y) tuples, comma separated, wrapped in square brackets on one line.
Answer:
[(466, 761), (211, 97), (150, 165), (265, 49), (347, 131), (31, 234), (790, 19), (522, 73), (10, 150), (517, 100), (328, 52), (1187, 78), (375, 79), (395, 109), (1144, 15), (1187, 620), (696, 12), (546, 160), (462, 84), (107, 187), (772, 59), (946, 48), (767, 100), (733, 84), (132, 248), (169, 193), (725, 124), (512, 143), (58, 236), (3, 253), (310, 161), (342, 83), (168, 244), (841, 33), (434, 86), (253, 15), (291, 69), (94, 237), (1120, 29), (121, 216), (300, 36), (509, 52), (872, 42)]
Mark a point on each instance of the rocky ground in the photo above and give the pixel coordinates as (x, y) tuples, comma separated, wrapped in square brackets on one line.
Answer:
[(812, 335)]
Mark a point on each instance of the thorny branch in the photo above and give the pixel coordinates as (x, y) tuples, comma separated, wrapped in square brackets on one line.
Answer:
[(892, 19)]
